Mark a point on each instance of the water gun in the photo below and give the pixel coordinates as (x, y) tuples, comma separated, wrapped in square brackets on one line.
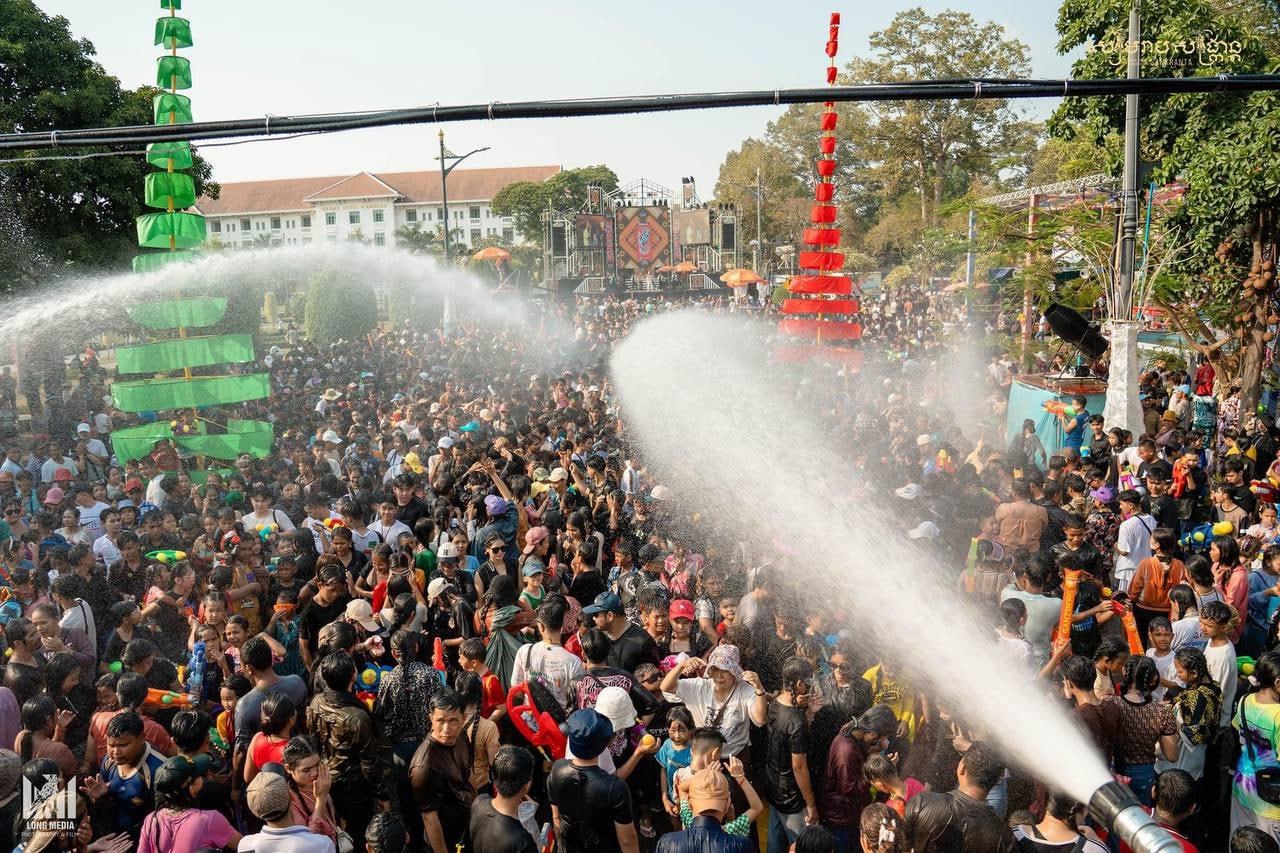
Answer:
[(1131, 632), (944, 462), (371, 677), (1058, 407), (167, 699), (537, 727), (437, 660), (1245, 665), (166, 556), (368, 697), (265, 531), (1266, 491), (331, 523), (1070, 583), (1198, 538), (195, 671)]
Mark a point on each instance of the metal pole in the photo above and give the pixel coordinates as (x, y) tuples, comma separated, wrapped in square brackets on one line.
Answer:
[(1033, 205), (1129, 214), (759, 234), (444, 197), (971, 260)]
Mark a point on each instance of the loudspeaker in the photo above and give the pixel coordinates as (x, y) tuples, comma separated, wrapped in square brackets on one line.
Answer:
[(728, 234), (557, 240), (1070, 325)]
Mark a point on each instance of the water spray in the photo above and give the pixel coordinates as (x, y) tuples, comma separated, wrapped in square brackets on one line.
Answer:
[(1116, 807)]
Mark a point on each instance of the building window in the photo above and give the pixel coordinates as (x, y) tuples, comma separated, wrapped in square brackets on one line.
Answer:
[(377, 216), (330, 218), (306, 241), (508, 235), (353, 217), (379, 239), (231, 227), (475, 235), (440, 213), (306, 220), (427, 214), (275, 223), (475, 213), (244, 225), (411, 215), (216, 226)]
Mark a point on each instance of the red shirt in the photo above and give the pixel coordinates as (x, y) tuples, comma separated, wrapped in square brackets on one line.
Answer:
[(492, 694), (1187, 846)]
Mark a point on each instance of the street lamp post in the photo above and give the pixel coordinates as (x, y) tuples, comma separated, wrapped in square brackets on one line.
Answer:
[(445, 169)]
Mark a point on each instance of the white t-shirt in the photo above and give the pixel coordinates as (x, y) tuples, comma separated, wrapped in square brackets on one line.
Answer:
[(1222, 666), (1018, 650), (106, 551), (91, 518), (80, 616), (1186, 632), (1164, 666), (1042, 614), (1134, 538), (80, 537), (735, 723), (293, 839), (97, 448), (251, 520), (48, 469), (390, 534), (561, 670), (1024, 833)]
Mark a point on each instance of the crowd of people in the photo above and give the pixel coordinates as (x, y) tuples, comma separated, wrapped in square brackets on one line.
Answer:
[(454, 610)]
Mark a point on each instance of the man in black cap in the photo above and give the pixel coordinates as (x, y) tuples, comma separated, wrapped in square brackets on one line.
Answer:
[(632, 646), (591, 808)]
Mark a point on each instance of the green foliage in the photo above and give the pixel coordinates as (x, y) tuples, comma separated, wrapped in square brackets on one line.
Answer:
[(525, 201), (338, 309), (69, 216), (785, 206), (297, 307)]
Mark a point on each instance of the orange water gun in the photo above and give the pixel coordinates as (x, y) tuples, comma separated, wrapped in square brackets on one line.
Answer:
[(166, 699), (1070, 583), (437, 655), (1131, 632)]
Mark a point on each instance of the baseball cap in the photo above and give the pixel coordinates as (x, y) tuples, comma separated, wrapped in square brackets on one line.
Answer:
[(82, 427), (447, 552), (331, 437), (925, 530), (495, 506), (1106, 494), (361, 611), (132, 484), (557, 475), (681, 608), (923, 439), (177, 772), (268, 796), (62, 475), (909, 492), (54, 496), (606, 602), (615, 704), (534, 537), (533, 567), (708, 791), (589, 732), (445, 443), (437, 587)]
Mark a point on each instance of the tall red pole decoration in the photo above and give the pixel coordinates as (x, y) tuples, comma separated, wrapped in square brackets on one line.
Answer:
[(820, 307)]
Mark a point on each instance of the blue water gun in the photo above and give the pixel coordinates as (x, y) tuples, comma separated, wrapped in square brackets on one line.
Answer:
[(1198, 538), (195, 671)]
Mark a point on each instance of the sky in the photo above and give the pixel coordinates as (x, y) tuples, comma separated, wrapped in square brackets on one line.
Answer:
[(289, 57)]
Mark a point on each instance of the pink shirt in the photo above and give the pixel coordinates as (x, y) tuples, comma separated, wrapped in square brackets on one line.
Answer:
[(1236, 593), (189, 829)]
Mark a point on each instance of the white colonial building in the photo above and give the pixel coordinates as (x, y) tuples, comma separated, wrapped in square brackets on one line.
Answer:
[(298, 211)]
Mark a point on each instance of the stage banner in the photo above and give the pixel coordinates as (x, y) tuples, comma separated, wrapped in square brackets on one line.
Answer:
[(644, 238), (693, 227), (589, 237)]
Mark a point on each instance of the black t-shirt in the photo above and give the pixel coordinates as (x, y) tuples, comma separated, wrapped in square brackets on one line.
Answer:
[(591, 802), (415, 509), (633, 648), (1165, 511), (1244, 498), (586, 586), (494, 832), (440, 778), (788, 736), (316, 615)]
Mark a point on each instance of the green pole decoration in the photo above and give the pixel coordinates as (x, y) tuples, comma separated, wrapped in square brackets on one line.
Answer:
[(176, 230)]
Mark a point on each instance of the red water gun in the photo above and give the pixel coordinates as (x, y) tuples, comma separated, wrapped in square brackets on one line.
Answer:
[(536, 726), (1181, 479)]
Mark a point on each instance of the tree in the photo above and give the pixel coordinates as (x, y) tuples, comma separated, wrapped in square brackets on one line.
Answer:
[(338, 309), (784, 206), (67, 216), (933, 150), (526, 201), (419, 241), (1223, 146)]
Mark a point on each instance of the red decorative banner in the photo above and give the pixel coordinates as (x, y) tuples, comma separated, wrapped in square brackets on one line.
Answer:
[(834, 285), (821, 261), (824, 192), (820, 329), (820, 306), (822, 214), (821, 236)]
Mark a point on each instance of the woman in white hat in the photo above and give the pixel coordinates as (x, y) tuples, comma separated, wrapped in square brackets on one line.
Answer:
[(721, 696)]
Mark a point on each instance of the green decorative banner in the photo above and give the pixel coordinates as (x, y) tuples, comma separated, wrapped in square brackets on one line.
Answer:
[(175, 313), (160, 154), (165, 189), (175, 5), (153, 261), (187, 230), (252, 437), (173, 72), (171, 108), (154, 395), (173, 33), (185, 352)]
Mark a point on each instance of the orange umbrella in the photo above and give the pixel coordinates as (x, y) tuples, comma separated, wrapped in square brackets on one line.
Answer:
[(686, 266), (492, 253), (740, 278), (666, 268)]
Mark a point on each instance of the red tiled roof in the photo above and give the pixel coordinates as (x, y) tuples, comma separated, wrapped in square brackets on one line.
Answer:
[(412, 187)]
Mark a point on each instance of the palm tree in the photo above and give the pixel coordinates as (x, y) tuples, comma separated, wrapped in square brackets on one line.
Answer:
[(418, 241)]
